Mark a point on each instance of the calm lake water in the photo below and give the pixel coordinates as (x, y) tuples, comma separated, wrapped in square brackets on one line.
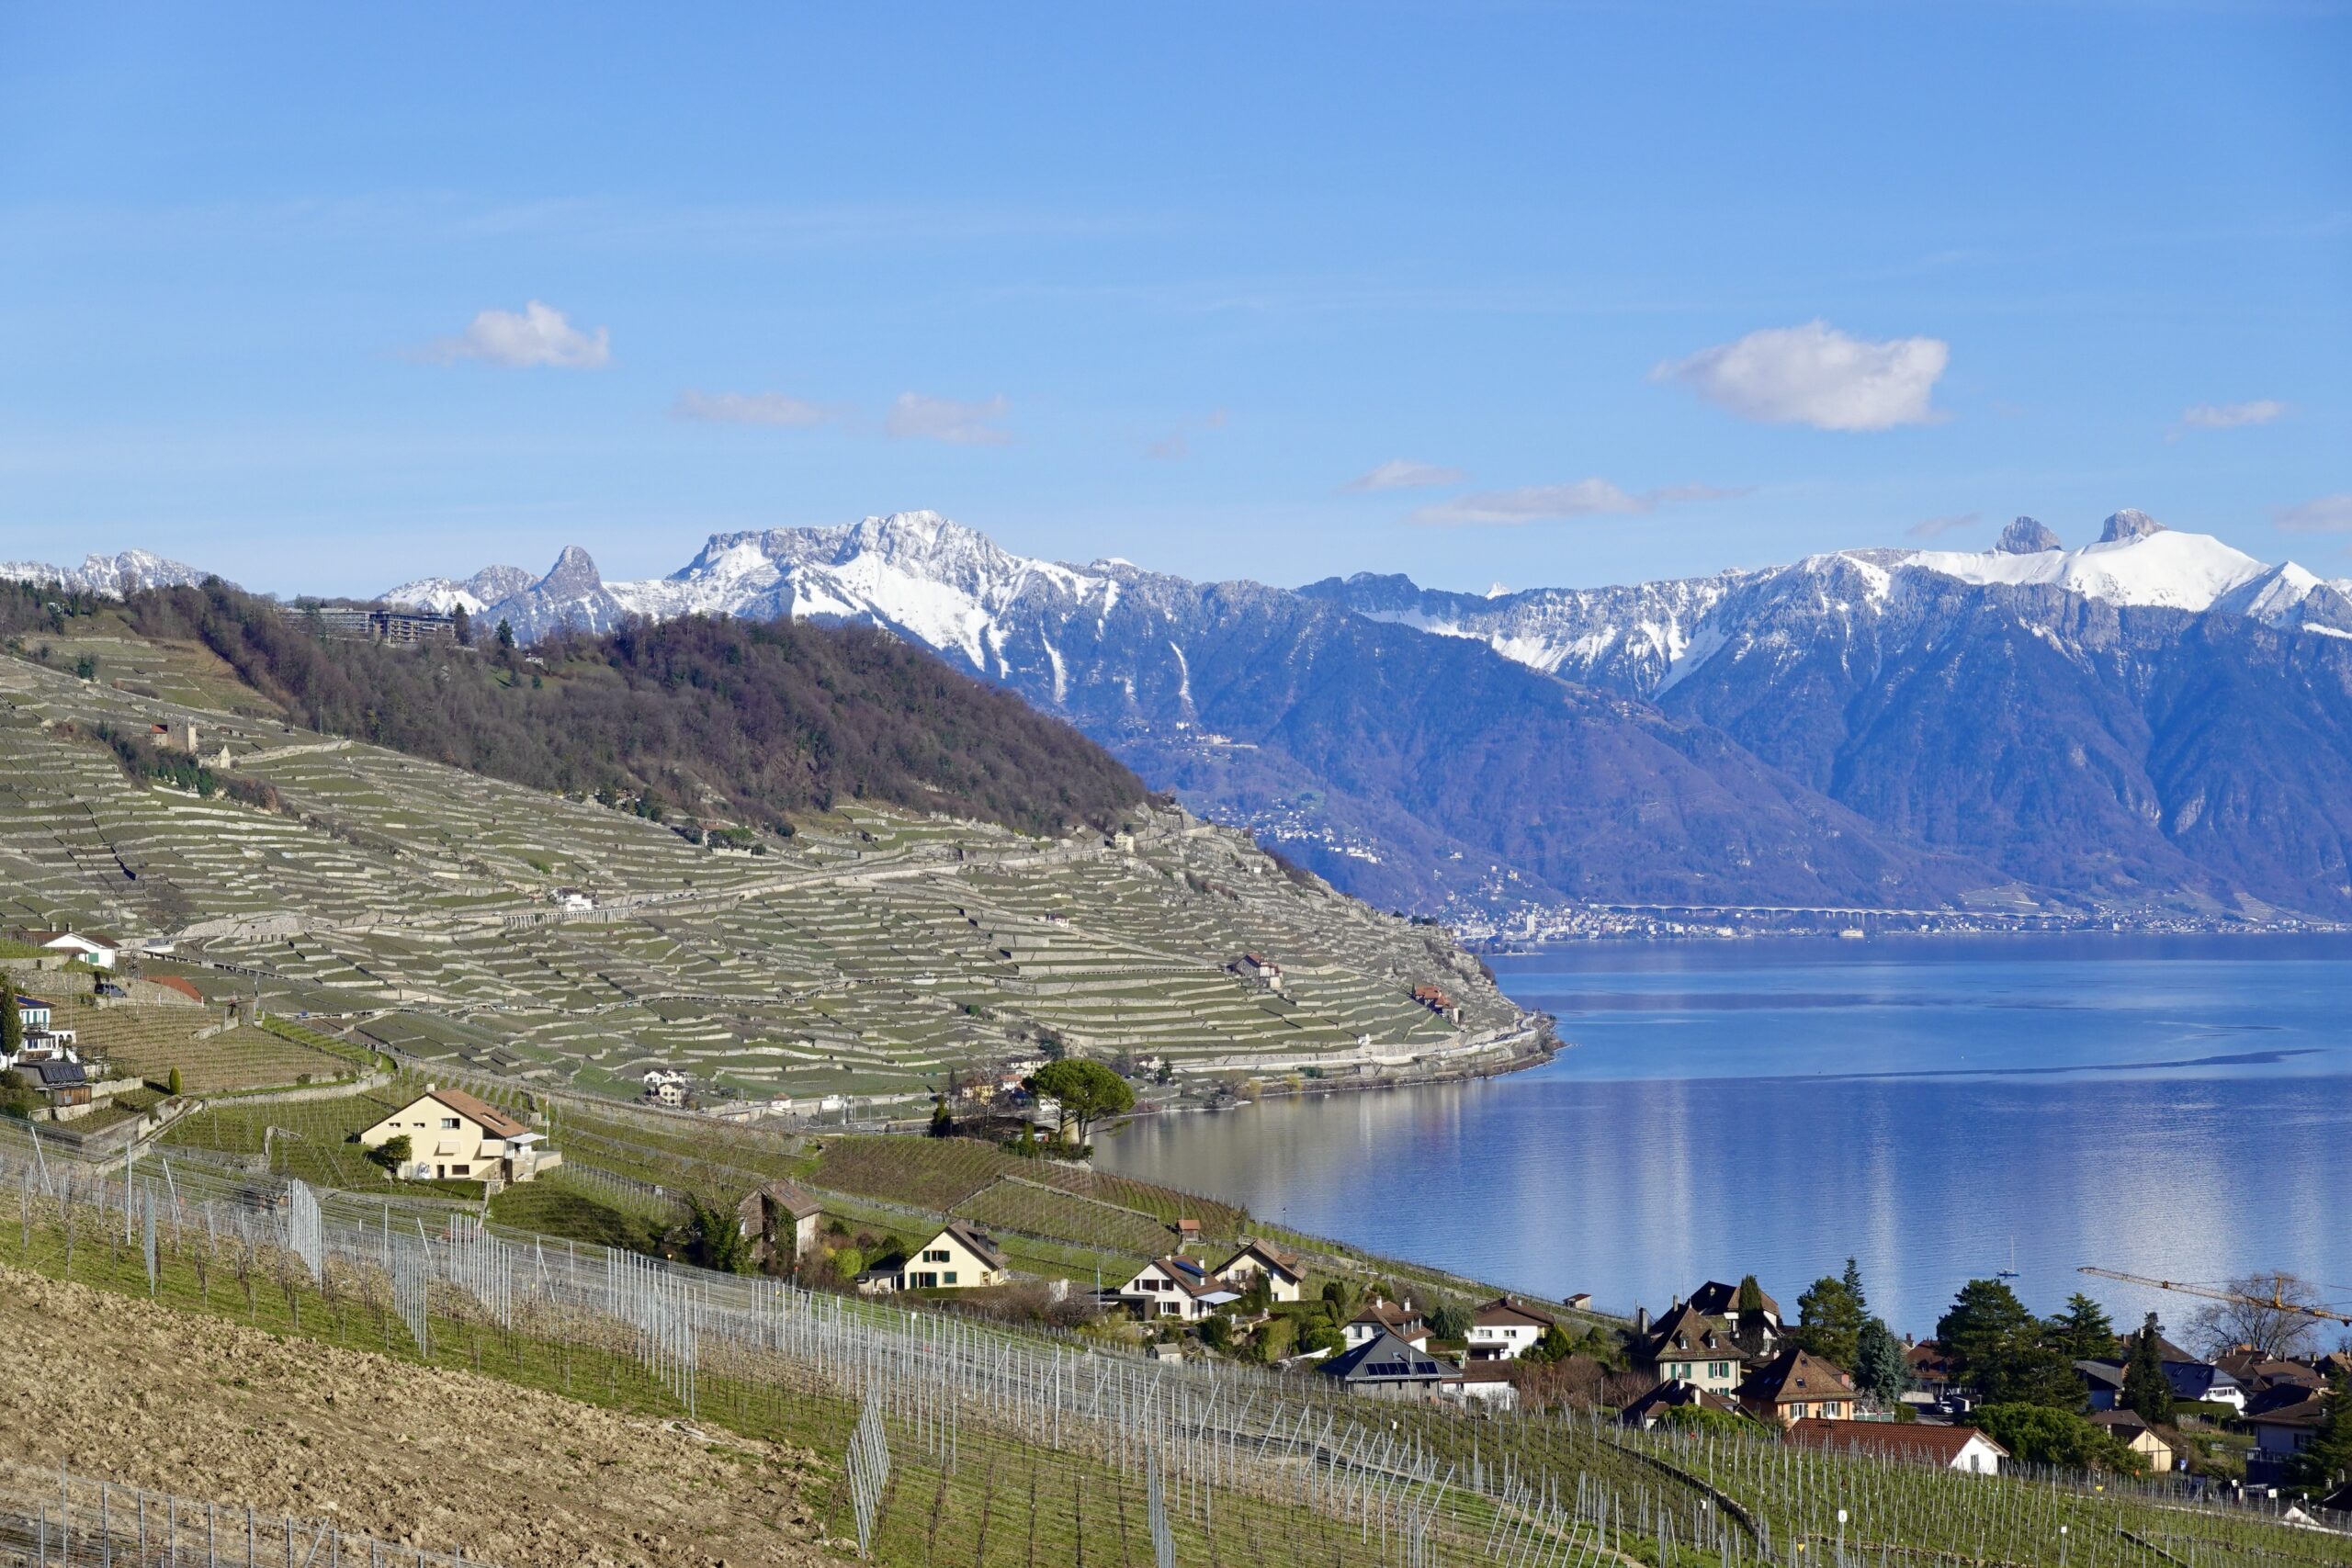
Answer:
[(2176, 1107)]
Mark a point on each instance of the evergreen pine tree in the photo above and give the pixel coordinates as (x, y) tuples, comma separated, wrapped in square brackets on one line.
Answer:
[(12, 1022), (1879, 1368), (2082, 1329), (2147, 1392), (1829, 1321)]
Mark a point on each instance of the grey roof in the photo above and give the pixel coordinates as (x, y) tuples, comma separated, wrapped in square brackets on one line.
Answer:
[(1384, 1357), (55, 1074), (2195, 1380), (2101, 1374)]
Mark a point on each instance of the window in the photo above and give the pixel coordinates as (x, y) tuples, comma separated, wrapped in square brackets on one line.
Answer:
[(936, 1255), (460, 1169), (1718, 1369), (948, 1277), (448, 1124)]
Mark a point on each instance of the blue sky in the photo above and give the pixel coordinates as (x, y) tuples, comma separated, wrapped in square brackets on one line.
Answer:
[(1567, 294)]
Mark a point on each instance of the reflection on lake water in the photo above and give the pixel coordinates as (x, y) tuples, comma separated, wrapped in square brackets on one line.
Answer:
[(2174, 1106)]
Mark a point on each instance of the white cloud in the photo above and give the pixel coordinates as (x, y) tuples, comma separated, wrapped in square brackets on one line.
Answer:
[(1403, 473), (2226, 416), (1936, 527), (1560, 502), (751, 408), (538, 336), (2322, 515), (917, 417), (1816, 375)]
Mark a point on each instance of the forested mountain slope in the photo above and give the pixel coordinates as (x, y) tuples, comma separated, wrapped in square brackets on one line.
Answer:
[(704, 714)]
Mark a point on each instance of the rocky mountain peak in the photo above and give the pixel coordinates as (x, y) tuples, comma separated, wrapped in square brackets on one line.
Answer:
[(2026, 537), (2127, 525), (574, 572)]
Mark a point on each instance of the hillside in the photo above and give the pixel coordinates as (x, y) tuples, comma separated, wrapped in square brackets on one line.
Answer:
[(866, 955), (717, 717)]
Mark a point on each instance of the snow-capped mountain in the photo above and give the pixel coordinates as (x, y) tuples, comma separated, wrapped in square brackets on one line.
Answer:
[(2154, 719), (443, 596), (1646, 637), (108, 576)]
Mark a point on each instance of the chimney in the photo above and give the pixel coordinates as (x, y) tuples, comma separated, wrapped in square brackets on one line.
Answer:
[(1641, 1320)]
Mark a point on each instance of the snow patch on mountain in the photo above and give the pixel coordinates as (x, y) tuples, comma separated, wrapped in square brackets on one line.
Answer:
[(2155, 567), (109, 577), (444, 596)]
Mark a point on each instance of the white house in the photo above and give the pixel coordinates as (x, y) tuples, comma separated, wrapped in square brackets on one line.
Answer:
[(1483, 1384), (1504, 1330), (43, 1041), (1180, 1287), (87, 947), (1285, 1277), (666, 1086), (1379, 1317), (453, 1136), (957, 1258)]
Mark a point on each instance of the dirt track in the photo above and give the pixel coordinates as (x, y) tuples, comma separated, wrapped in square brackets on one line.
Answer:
[(119, 1387)]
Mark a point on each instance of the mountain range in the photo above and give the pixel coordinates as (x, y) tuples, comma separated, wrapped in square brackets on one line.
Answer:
[(2156, 723)]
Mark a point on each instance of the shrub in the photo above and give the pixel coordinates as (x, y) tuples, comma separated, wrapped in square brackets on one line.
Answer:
[(2038, 1434)]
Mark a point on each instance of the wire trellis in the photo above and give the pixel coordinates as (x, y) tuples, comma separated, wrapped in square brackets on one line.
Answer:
[(869, 1473)]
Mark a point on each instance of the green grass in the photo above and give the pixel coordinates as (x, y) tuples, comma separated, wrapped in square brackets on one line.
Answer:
[(550, 1207)]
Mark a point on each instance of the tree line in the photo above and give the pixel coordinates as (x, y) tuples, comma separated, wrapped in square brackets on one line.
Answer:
[(702, 716)]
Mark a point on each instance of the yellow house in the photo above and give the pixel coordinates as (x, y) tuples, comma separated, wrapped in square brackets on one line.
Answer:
[(452, 1136), (2138, 1435), (957, 1258)]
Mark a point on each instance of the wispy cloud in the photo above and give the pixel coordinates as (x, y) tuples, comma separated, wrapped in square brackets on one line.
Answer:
[(1818, 376), (2321, 514), (1560, 502), (1937, 527), (1403, 473), (1177, 446), (2225, 416), (539, 335), (779, 408), (919, 417)]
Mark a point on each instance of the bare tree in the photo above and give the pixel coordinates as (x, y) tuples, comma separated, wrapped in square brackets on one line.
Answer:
[(2265, 1318)]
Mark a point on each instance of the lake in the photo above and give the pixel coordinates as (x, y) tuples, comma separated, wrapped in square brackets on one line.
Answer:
[(2179, 1107)]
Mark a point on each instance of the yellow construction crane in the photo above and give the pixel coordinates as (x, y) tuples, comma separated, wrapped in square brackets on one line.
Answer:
[(2273, 1300)]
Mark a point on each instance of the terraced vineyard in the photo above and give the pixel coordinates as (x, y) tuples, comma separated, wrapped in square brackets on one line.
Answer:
[(411, 907), (149, 1042)]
